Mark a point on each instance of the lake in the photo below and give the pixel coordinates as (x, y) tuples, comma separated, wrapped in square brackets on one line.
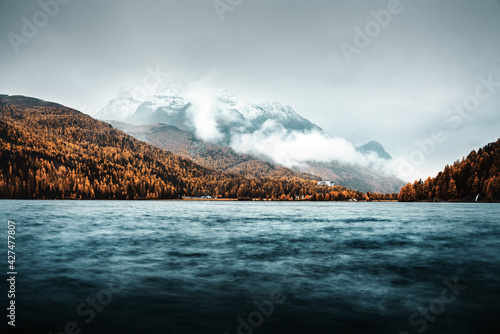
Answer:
[(254, 267)]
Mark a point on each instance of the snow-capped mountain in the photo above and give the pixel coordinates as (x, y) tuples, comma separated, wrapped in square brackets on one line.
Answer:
[(171, 106), (120, 108), (269, 132), (283, 114), (161, 109), (258, 114)]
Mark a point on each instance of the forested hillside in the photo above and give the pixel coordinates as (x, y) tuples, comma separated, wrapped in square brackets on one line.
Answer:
[(206, 154), (50, 151), (225, 159), (478, 174)]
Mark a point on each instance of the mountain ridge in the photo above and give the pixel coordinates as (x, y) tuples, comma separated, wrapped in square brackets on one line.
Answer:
[(185, 144), (233, 117), (377, 148), (54, 152), (171, 106), (225, 159)]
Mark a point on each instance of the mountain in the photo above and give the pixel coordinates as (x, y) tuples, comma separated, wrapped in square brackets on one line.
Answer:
[(225, 159), (170, 110), (377, 148), (121, 107), (171, 106), (224, 117), (218, 157), (355, 177), (50, 151), (476, 177), (258, 114)]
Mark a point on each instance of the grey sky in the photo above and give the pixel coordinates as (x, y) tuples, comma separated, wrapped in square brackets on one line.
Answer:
[(396, 90)]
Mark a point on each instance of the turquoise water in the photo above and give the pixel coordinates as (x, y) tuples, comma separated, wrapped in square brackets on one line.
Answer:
[(254, 267)]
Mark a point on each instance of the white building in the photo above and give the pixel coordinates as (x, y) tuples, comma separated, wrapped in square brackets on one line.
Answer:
[(326, 183)]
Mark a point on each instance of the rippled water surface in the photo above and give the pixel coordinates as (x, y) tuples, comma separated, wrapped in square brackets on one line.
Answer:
[(255, 267)]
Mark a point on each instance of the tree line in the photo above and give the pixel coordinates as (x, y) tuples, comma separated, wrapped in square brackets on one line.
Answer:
[(53, 152), (474, 177)]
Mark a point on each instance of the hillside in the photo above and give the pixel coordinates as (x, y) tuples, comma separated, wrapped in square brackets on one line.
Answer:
[(474, 177), (51, 151), (168, 120), (218, 157), (225, 159), (355, 177)]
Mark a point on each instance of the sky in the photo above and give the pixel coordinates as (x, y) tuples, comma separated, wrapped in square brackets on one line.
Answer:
[(421, 77)]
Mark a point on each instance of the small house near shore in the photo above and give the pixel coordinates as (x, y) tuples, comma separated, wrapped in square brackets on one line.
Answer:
[(326, 183)]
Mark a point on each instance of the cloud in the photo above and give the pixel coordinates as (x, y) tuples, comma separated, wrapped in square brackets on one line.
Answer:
[(295, 148), (203, 112), (271, 141)]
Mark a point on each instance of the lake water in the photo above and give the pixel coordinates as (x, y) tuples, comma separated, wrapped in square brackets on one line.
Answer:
[(254, 267)]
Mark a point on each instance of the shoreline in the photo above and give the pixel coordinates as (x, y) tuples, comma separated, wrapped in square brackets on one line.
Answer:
[(231, 200)]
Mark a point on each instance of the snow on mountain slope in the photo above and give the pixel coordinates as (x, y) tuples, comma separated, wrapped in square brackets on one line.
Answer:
[(172, 105), (271, 131), (121, 107), (258, 114)]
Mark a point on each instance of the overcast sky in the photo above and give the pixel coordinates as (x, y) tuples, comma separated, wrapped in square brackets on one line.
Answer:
[(420, 62)]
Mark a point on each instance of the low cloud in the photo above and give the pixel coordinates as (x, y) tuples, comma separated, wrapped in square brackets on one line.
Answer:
[(271, 140), (203, 112), (295, 148)]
